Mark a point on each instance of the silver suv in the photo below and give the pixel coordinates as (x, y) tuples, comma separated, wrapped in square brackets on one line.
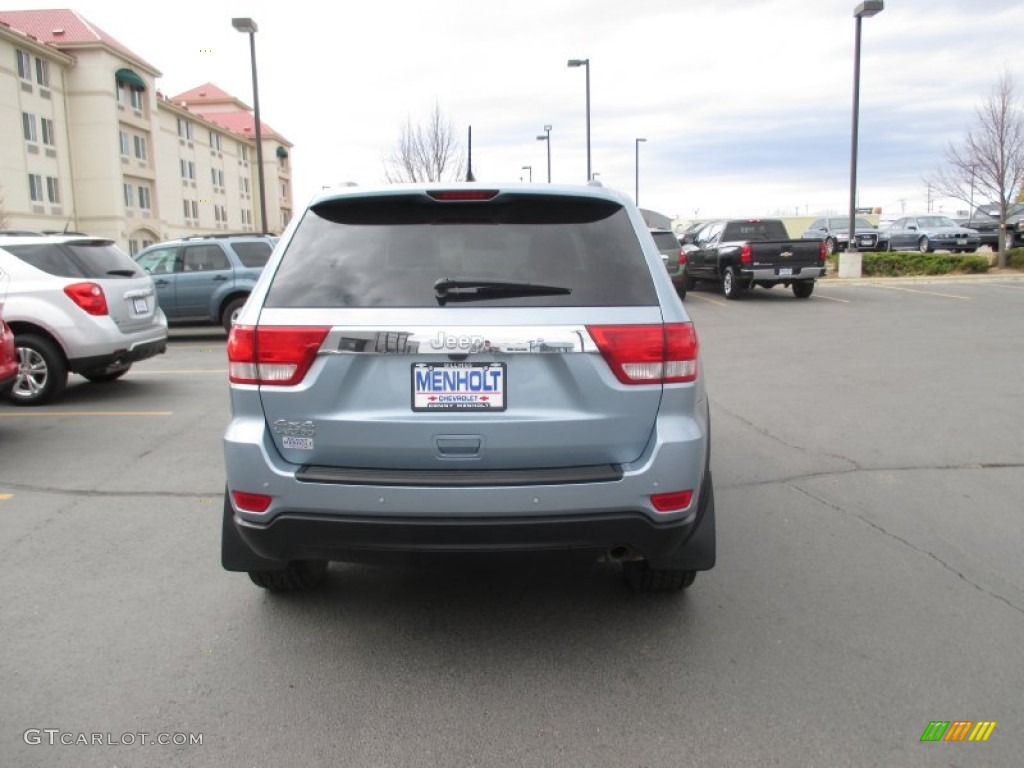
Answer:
[(76, 304), (431, 369)]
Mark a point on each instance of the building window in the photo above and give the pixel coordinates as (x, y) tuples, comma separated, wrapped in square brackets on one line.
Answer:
[(185, 129), (53, 189), (35, 187), (195, 210), (129, 196), (284, 190), (140, 147), (49, 136), (136, 98), (143, 197), (28, 125), (217, 177), (188, 169), (125, 144), (245, 153), (24, 65), (43, 72), (215, 142), (187, 209)]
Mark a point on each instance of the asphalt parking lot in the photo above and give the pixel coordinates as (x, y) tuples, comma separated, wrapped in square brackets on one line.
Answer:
[(869, 477)]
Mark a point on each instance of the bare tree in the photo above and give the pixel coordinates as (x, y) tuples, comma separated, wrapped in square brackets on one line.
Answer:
[(426, 152), (990, 159)]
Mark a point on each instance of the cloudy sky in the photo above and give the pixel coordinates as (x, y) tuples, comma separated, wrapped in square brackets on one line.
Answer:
[(745, 104)]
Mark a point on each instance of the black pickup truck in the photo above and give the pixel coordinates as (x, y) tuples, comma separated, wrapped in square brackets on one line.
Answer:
[(742, 253)]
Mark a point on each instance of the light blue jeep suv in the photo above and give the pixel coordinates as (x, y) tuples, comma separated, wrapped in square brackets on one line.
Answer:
[(206, 279), (466, 369)]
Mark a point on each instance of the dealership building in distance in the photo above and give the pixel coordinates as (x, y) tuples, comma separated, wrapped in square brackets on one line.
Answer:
[(90, 145)]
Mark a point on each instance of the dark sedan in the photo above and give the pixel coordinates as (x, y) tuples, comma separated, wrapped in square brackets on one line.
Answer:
[(930, 233), (835, 231)]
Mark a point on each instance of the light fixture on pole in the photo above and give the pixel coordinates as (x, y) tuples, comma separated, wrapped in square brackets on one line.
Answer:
[(585, 63), (529, 170), (850, 259), (547, 137), (248, 26), (636, 197)]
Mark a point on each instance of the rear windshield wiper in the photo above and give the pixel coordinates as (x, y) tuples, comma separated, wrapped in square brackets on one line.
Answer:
[(122, 272), (449, 289)]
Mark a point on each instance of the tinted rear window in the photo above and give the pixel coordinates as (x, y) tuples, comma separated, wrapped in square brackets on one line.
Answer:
[(252, 254), (87, 259), (666, 241), (389, 251), (755, 230)]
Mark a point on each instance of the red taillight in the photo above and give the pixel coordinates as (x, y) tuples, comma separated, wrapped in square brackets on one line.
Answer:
[(648, 354), (671, 502), (746, 254), (251, 502), (682, 257), (88, 296), (279, 356), (463, 194), (822, 252)]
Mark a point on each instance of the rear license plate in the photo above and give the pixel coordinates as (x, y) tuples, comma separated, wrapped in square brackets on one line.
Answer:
[(785, 272), (141, 305), (458, 387)]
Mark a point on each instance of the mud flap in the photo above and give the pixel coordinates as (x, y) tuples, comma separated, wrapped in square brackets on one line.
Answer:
[(235, 554)]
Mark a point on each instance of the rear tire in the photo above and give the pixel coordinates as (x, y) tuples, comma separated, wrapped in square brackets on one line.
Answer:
[(732, 287), (830, 247), (230, 313), (42, 371), (642, 578), (689, 283), (924, 246), (802, 289), (298, 576)]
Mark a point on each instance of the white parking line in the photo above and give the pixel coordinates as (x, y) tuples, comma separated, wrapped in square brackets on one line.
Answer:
[(915, 290), (831, 298), (706, 298)]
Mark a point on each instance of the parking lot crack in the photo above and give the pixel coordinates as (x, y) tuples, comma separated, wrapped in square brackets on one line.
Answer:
[(910, 545), (793, 446), (96, 494)]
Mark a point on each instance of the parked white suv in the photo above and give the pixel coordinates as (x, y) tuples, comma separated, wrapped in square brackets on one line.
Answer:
[(76, 304)]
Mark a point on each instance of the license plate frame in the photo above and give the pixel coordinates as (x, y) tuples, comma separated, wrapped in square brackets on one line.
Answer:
[(785, 271), (140, 305), (459, 387)]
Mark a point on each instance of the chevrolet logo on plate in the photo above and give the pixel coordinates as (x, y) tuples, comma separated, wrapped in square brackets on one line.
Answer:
[(786, 254)]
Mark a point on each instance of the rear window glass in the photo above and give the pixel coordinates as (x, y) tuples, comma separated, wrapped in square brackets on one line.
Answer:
[(755, 230), (665, 241), (389, 252), (88, 259), (252, 254)]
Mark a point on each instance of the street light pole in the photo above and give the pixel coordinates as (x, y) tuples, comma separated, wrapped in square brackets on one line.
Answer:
[(248, 26), (529, 169), (850, 266), (585, 63), (547, 137), (636, 197)]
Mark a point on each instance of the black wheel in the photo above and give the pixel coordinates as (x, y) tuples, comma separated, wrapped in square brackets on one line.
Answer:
[(681, 290), (924, 246), (99, 377), (230, 313), (803, 288), (299, 576), (641, 577), (689, 283), (830, 247), (42, 371), (732, 286)]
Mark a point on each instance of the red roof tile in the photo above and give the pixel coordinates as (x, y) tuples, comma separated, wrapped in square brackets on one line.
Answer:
[(242, 123), (207, 93), (61, 26)]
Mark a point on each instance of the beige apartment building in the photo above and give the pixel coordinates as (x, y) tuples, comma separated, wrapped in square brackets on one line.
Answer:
[(88, 144)]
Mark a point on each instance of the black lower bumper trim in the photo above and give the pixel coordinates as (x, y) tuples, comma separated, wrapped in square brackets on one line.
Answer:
[(118, 358)]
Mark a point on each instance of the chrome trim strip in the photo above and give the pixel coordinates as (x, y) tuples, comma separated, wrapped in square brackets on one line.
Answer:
[(449, 340)]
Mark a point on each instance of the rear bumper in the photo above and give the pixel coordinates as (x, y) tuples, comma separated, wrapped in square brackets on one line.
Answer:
[(687, 543), (772, 274), (119, 358)]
